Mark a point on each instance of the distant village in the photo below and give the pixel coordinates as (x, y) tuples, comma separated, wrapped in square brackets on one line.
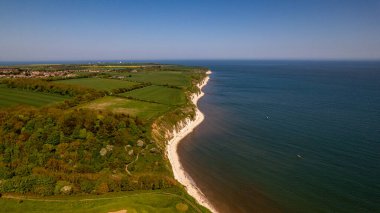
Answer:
[(19, 73)]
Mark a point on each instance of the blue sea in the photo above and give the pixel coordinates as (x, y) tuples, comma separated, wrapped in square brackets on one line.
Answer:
[(288, 136)]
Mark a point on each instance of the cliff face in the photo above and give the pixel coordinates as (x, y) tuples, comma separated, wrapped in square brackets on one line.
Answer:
[(171, 130), (180, 125), (167, 126), (170, 124)]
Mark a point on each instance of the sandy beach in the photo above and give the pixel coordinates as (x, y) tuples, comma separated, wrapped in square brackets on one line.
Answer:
[(179, 173)]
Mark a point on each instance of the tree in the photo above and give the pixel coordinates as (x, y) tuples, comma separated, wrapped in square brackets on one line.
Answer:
[(54, 138)]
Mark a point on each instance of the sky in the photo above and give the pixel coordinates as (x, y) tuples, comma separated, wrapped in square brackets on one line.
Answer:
[(188, 29)]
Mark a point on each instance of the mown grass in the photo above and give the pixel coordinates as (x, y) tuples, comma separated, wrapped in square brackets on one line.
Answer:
[(153, 201), (12, 97), (159, 94), (99, 83), (141, 109), (180, 79)]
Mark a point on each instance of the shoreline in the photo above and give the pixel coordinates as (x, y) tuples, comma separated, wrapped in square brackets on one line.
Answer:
[(179, 173)]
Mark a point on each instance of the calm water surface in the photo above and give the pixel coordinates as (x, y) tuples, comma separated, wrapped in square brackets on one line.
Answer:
[(286, 136)]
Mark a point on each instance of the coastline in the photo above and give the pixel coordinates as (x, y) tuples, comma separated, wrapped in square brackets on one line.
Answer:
[(179, 173)]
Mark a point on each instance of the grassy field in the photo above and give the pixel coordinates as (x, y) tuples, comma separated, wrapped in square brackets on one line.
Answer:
[(154, 201), (12, 97), (160, 78), (112, 66), (159, 94), (99, 83), (144, 110)]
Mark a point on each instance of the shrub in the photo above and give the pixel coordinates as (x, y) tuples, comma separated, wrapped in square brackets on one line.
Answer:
[(5, 173), (102, 188), (44, 190), (87, 186), (23, 170)]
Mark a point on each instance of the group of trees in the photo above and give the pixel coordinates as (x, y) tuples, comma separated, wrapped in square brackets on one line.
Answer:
[(137, 86), (48, 151)]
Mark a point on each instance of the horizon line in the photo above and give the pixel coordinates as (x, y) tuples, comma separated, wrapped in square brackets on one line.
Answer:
[(191, 59)]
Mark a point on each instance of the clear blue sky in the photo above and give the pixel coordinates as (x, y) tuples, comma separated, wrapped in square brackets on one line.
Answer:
[(189, 29)]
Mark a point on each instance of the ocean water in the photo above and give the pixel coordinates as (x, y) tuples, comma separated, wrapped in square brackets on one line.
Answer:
[(288, 136)]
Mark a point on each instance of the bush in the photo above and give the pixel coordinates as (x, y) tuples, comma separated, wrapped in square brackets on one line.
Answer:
[(23, 170), (127, 185), (102, 188), (5, 173), (87, 186), (113, 186), (44, 190), (54, 138), (41, 185)]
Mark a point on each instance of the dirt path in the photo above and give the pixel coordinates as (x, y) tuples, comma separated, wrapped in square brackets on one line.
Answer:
[(126, 166)]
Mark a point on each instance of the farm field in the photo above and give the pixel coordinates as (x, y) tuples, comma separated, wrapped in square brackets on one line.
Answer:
[(12, 97), (159, 94), (160, 78), (144, 110), (98, 83), (111, 66), (158, 201)]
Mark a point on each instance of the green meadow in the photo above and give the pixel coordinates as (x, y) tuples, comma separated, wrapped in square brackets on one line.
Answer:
[(160, 201), (159, 94), (11, 97), (99, 83), (181, 79), (141, 109)]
